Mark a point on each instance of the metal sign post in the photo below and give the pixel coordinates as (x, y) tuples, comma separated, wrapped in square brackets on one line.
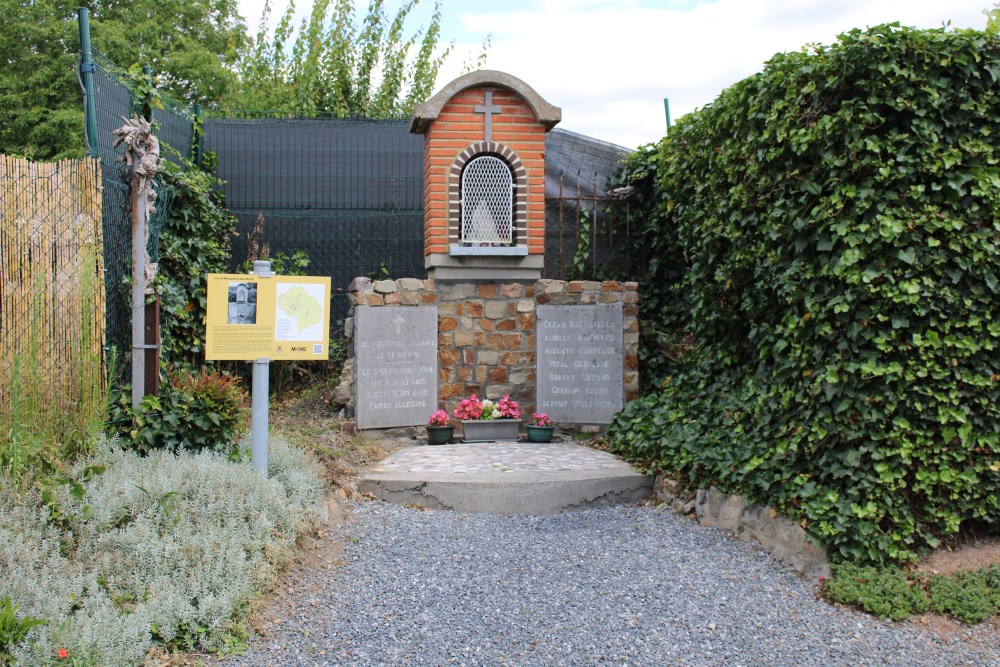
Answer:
[(259, 402), (262, 318)]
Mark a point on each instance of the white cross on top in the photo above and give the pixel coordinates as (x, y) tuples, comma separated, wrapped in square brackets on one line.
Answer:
[(487, 109), (398, 321)]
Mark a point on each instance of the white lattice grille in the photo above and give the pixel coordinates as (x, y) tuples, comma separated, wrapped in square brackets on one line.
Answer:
[(487, 201)]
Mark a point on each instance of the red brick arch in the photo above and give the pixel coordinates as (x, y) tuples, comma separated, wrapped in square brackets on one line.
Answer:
[(520, 188)]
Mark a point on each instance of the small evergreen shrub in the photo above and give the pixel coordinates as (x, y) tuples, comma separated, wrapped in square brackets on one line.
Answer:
[(193, 411), (886, 593), (159, 549), (970, 597), (966, 595)]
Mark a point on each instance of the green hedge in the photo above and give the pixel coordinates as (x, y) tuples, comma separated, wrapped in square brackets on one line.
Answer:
[(827, 232)]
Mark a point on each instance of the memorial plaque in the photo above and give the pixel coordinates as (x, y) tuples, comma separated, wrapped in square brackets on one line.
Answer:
[(395, 372), (580, 362)]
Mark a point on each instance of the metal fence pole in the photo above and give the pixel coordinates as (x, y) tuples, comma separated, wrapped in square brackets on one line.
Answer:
[(199, 135), (87, 69), (259, 396), (147, 103)]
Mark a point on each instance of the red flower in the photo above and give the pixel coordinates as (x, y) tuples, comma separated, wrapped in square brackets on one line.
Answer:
[(63, 653)]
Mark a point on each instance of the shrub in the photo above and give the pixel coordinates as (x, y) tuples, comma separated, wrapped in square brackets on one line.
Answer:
[(970, 597), (160, 549), (828, 233), (194, 411), (966, 595), (195, 240), (886, 593)]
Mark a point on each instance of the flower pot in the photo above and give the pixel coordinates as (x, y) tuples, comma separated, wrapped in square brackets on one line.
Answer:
[(539, 433), (439, 435), (478, 430)]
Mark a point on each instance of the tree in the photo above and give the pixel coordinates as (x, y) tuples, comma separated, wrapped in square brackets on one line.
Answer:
[(992, 20), (41, 115), (193, 45), (336, 64)]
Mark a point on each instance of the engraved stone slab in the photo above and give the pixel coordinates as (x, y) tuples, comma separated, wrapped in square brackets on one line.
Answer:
[(580, 362), (395, 353)]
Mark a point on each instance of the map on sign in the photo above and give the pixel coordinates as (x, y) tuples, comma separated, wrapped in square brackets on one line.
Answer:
[(299, 312)]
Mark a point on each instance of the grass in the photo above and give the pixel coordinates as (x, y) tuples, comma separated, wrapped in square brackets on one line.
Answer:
[(51, 408)]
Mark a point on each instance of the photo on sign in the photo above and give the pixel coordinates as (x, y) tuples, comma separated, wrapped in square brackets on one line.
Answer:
[(242, 303)]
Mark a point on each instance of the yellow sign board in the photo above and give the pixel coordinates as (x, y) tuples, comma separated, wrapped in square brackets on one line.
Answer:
[(277, 318)]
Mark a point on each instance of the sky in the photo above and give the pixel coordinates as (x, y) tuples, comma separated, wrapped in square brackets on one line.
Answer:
[(610, 64)]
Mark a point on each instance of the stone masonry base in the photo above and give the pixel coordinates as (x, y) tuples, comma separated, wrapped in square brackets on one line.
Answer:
[(777, 535)]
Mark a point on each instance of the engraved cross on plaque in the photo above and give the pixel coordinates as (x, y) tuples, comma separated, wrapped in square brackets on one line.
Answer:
[(398, 321), (488, 110)]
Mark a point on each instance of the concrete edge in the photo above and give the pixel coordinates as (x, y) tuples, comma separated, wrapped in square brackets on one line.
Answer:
[(504, 497)]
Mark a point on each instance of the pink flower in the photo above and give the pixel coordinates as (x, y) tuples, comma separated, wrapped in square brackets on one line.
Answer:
[(469, 408), (508, 408), (62, 653), (541, 419), (439, 418)]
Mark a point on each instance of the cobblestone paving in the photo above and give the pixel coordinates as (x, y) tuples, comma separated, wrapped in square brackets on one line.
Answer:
[(500, 458)]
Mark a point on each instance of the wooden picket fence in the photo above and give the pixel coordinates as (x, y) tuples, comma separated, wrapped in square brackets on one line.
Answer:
[(51, 274)]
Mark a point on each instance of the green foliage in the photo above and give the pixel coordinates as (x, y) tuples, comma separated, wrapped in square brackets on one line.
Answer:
[(296, 264), (54, 484), (578, 269), (340, 64), (172, 553), (886, 593), (970, 597), (13, 630), (828, 232), (194, 411), (192, 45), (992, 20), (194, 241)]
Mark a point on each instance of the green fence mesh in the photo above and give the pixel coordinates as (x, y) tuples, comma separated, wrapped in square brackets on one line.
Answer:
[(114, 99), (347, 191)]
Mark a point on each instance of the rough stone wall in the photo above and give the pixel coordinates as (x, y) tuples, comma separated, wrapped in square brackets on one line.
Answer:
[(486, 342), (777, 535), (486, 331)]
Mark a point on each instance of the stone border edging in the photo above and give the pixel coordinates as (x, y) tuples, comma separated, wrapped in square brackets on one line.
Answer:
[(779, 536)]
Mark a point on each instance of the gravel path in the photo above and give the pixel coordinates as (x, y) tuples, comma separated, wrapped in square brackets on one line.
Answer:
[(612, 586)]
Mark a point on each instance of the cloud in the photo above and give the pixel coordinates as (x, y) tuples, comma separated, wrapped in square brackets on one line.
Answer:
[(610, 63)]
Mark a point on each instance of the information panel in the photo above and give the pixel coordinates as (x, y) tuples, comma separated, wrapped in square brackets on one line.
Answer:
[(580, 362), (281, 318)]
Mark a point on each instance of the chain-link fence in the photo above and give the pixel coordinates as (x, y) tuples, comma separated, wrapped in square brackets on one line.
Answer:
[(115, 98)]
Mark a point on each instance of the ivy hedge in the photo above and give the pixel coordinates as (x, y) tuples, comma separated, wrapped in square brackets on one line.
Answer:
[(827, 233), (195, 240)]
